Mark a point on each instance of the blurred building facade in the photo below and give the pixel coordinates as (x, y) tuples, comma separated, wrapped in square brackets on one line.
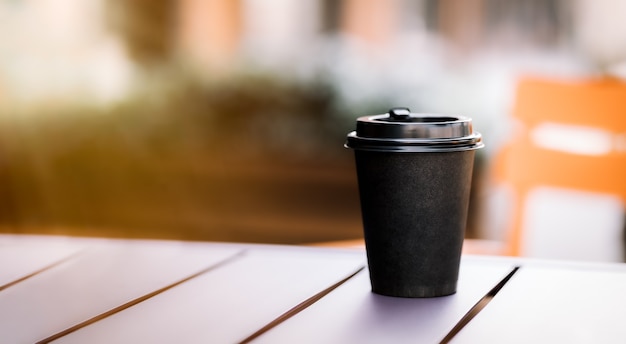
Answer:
[(95, 46)]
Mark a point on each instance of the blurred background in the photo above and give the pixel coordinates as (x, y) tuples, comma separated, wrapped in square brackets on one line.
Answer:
[(225, 119)]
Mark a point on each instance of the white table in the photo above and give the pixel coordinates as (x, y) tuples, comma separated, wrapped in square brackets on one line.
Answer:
[(73, 290)]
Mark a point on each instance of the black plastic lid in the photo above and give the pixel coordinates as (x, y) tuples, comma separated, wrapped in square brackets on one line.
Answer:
[(399, 130)]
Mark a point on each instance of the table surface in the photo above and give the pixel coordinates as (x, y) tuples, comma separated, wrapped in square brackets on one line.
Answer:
[(78, 290)]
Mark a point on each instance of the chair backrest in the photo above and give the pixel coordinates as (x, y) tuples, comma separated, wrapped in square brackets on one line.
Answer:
[(573, 135), (597, 103)]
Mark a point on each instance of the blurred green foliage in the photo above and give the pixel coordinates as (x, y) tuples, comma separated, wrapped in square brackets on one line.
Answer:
[(251, 158)]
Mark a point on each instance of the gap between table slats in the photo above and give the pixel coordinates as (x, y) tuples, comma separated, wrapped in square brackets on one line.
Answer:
[(478, 307), (45, 268), (298, 308)]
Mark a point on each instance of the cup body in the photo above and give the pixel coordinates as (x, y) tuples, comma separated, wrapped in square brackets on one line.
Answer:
[(414, 211), (414, 173)]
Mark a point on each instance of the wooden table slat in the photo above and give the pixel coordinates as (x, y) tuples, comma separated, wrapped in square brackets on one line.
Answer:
[(554, 304), (227, 305), (107, 275)]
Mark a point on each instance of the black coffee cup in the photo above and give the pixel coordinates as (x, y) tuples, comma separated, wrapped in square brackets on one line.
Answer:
[(414, 174)]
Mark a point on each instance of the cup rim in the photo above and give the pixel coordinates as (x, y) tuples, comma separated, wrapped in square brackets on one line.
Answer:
[(472, 142)]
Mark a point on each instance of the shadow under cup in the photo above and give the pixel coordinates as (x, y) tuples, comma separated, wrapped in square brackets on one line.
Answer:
[(414, 174)]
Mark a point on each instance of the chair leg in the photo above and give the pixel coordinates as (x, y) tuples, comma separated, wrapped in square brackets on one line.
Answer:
[(624, 236), (516, 225)]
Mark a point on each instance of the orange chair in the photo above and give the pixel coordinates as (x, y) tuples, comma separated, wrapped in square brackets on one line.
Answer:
[(525, 163)]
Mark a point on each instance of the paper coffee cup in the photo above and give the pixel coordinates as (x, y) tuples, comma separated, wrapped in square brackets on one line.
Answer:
[(414, 174)]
